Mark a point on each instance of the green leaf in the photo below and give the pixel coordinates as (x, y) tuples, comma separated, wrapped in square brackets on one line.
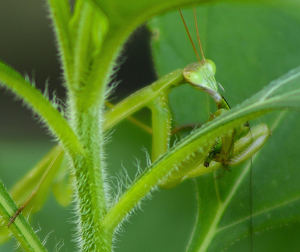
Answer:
[(20, 228), (42, 173), (36, 184), (251, 45)]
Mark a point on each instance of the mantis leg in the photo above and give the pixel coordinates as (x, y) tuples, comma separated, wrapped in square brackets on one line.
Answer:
[(244, 148), (161, 126)]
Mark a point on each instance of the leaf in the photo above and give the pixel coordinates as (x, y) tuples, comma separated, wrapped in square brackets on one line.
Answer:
[(251, 45), (34, 184)]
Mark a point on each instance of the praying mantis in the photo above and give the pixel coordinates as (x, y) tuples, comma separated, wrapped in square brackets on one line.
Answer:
[(231, 149), (155, 98)]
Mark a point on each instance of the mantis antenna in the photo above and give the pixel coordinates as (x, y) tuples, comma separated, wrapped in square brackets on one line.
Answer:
[(198, 36), (188, 33)]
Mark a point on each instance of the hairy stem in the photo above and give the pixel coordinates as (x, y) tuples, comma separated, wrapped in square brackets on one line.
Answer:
[(89, 169), (40, 105)]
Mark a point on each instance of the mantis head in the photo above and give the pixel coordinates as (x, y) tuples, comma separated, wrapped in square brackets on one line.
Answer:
[(201, 76)]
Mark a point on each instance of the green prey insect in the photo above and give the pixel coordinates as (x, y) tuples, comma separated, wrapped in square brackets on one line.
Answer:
[(232, 148)]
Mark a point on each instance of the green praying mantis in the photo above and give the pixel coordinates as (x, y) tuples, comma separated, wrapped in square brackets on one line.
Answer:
[(232, 148)]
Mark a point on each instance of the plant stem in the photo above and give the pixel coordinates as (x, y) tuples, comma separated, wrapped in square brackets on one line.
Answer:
[(61, 15), (90, 188), (40, 105)]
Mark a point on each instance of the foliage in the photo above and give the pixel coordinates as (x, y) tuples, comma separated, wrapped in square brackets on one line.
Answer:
[(235, 43)]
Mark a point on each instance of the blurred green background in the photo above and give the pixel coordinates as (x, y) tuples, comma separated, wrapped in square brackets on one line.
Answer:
[(166, 221)]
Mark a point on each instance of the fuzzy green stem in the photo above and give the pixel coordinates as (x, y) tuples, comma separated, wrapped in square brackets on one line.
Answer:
[(40, 105), (61, 15), (90, 188), (82, 46), (100, 73)]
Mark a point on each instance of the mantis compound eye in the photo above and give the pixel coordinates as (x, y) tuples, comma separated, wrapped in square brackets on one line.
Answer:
[(211, 66), (194, 77)]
